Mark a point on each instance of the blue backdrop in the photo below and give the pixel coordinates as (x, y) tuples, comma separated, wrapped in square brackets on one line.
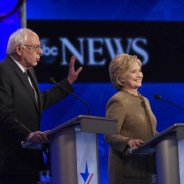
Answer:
[(97, 94)]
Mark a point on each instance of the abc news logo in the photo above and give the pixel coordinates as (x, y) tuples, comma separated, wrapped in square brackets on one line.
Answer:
[(92, 51)]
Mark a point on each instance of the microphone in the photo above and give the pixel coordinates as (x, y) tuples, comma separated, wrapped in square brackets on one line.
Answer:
[(52, 80), (158, 97)]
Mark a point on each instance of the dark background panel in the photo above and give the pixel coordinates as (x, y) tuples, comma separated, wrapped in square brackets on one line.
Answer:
[(159, 45)]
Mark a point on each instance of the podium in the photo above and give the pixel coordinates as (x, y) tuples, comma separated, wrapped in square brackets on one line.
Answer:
[(168, 148), (74, 149)]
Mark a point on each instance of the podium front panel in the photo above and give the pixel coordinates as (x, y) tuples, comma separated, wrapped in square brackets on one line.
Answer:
[(87, 157), (167, 161), (181, 159), (74, 157), (63, 159)]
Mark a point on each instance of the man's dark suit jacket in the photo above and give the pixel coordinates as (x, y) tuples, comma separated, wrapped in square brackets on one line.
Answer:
[(19, 115)]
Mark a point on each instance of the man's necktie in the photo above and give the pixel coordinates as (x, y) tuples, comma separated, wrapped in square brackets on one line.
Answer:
[(31, 84)]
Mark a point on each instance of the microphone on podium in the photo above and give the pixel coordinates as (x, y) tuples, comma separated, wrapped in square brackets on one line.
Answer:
[(158, 97), (52, 80)]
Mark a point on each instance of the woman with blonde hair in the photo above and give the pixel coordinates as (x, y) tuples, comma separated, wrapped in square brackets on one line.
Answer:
[(136, 124)]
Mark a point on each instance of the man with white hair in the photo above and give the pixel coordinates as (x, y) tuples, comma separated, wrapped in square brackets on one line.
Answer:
[(21, 106)]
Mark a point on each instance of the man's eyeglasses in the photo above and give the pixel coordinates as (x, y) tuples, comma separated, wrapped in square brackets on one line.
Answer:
[(33, 47)]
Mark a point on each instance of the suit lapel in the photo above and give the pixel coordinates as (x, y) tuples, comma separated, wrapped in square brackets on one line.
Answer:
[(34, 81), (26, 83)]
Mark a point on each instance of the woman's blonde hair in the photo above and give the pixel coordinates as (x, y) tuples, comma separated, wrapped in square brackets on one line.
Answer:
[(118, 66)]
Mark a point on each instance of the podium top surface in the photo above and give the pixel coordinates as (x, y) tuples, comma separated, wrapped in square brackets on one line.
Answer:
[(89, 124), (86, 123), (176, 129)]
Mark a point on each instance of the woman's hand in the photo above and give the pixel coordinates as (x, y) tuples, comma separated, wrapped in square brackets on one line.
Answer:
[(134, 143)]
